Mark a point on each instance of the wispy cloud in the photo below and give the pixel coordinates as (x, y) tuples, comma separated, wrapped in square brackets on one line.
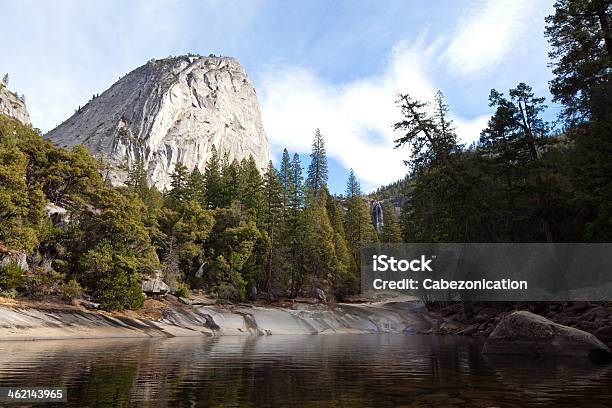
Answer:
[(357, 117), (488, 31)]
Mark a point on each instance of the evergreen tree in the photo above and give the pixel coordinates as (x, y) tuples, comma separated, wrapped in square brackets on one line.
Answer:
[(5, 79), (318, 263), (512, 137), (580, 33), (274, 210), (230, 184), (212, 179), (286, 175), (252, 194), (317, 171), (334, 211), (390, 231), (358, 226), (352, 186), (179, 182), (196, 187), (296, 195), (137, 178), (430, 137)]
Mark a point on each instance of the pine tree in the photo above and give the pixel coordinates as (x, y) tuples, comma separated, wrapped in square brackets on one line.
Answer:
[(296, 195), (5, 79), (443, 122), (252, 195), (212, 179), (196, 187), (317, 171), (179, 181), (286, 175), (429, 137), (230, 184), (334, 211), (352, 186), (317, 264), (293, 232), (512, 138), (274, 209), (390, 231), (580, 33), (137, 178), (358, 226)]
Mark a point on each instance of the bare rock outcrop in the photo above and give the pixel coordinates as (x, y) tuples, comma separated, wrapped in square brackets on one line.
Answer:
[(525, 333), (13, 106), (169, 111)]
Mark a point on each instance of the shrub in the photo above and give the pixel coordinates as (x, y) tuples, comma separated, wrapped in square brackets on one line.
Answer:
[(119, 291), (9, 293), (112, 277), (182, 290), (71, 290), (11, 277)]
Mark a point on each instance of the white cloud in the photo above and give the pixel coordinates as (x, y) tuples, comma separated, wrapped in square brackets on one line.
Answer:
[(356, 118), (482, 39)]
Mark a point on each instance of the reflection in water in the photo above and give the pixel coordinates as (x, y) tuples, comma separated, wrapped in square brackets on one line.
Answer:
[(309, 371)]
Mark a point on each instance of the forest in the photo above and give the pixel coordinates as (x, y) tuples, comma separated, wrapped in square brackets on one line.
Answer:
[(239, 233)]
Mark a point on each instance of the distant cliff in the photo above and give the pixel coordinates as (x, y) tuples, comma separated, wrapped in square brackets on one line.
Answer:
[(11, 105), (169, 111)]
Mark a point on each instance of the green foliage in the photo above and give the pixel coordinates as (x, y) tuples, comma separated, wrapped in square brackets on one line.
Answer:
[(111, 272), (179, 188), (212, 180), (11, 277), (580, 33), (430, 137), (358, 226), (317, 171), (21, 203), (183, 290), (390, 231), (352, 186), (71, 290)]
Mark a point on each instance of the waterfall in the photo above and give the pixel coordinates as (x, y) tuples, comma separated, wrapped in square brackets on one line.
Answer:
[(377, 216)]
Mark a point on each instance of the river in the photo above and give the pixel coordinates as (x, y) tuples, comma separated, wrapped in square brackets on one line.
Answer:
[(299, 371)]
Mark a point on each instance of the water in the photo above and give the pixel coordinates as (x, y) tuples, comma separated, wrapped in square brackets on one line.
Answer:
[(299, 371)]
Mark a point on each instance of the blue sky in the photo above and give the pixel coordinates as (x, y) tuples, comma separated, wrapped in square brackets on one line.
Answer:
[(333, 65)]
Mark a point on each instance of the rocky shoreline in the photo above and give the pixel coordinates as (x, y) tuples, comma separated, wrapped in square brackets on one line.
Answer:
[(509, 328), (23, 321), (480, 319)]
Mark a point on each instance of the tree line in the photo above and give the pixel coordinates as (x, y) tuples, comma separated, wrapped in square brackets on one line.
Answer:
[(522, 181), (233, 230)]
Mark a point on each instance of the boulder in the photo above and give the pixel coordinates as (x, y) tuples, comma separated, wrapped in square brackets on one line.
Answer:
[(525, 333), (604, 334), (60, 217), (155, 285), (8, 256), (320, 294)]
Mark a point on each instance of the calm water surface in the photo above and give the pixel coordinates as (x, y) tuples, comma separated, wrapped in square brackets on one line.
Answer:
[(299, 371)]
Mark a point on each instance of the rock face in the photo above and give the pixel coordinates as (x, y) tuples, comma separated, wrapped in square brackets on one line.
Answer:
[(169, 111), (20, 323), (155, 285), (11, 105), (8, 257), (525, 333)]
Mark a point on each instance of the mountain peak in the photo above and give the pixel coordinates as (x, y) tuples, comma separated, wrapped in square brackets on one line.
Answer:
[(168, 111)]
